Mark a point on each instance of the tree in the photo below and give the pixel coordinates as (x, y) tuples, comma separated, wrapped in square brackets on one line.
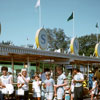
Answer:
[(57, 39), (7, 43), (87, 44)]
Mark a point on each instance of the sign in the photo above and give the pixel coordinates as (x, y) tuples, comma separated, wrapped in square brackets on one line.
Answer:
[(41, 38), (74, 46), (97, 50)]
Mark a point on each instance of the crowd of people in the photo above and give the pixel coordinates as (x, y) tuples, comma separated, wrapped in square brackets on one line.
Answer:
[(44, 87)]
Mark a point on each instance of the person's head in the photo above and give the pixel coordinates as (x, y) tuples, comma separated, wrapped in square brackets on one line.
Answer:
[(4, 70), (9, 73), (94, 78), (24, 72), (19, 74), (47, 75), (76, 70), (46, 70), (59, 70), (96, 68), (36, 77), (90, 71)]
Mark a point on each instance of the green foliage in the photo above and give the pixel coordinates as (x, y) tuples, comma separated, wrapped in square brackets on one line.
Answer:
[(7, 42), (57, 39), (87, 44)]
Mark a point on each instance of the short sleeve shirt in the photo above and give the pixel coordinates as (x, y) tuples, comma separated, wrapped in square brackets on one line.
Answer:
[(20, 80), (78, 76), (5, 79), (49, 85), (60, 80), (36, 86)]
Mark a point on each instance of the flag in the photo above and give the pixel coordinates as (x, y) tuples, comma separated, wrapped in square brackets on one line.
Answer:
[(37, 4), (70, 17), (97, 26)]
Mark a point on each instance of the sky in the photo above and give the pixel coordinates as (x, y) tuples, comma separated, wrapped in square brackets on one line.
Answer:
[(20, 19)]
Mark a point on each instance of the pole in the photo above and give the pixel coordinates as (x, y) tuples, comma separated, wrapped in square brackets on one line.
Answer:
[(97, 35), (28, 65), (43, 68), (40, 15), (73, 24), (12, 61), (88, 74)]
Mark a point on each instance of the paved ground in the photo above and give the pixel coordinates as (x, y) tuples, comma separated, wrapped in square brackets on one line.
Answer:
[(90, 98)]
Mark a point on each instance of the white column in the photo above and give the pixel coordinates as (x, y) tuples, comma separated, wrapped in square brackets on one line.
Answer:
[(28, 66)]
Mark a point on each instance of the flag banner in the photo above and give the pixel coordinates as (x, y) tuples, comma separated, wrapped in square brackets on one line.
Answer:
[(37, 4), (70, 17), (97, 26)]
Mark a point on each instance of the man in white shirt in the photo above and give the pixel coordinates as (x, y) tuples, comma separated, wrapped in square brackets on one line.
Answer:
[(78, 86)]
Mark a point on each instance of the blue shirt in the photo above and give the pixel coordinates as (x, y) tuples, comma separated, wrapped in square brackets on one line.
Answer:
[(43, 77), (49, 85)]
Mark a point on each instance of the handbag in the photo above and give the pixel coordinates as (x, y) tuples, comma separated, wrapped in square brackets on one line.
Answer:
[(8, 90), (20, 91)]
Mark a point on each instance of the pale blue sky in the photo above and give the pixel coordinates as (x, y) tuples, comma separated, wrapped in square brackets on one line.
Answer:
[(19, 18)]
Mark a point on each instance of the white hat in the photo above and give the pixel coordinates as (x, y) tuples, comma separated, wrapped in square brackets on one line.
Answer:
[(23, 70)]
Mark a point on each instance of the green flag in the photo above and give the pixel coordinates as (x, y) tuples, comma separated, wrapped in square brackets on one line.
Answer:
[(70, 17), (97, 26)]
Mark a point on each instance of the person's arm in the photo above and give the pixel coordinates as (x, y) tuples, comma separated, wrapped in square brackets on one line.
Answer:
[(44, 84), (26, 80), (79, 81), (61, 85), (38, 82), (19, 84), (1, 84), (55, 90)]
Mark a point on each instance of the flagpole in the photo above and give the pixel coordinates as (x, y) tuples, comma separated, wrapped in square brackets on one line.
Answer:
[(97, 35), (73, 24), (40, 15)]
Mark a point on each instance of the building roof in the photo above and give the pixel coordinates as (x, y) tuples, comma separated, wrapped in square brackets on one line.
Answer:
[(21, 54)]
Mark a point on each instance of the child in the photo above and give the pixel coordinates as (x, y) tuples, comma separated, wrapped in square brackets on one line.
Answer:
[(61, 82), (49, 85), (36, 88), (67, 90), (94, 90), (85, 81)]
